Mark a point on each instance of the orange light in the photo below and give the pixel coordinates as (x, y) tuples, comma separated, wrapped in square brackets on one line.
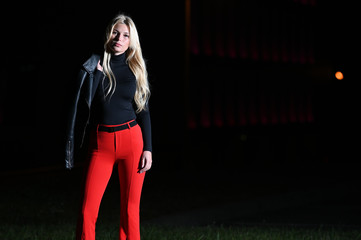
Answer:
[(339, 75)]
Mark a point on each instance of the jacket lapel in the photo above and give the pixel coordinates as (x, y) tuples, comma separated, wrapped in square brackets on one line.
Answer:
[(90, 66), (91, 63)]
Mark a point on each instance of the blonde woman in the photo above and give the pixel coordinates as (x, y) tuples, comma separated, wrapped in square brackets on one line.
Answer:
[(115, 90)]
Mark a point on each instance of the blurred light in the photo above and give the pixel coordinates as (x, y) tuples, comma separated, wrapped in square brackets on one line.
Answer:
[(339, 75)]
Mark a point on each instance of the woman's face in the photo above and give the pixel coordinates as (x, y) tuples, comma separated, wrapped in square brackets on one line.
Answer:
[(119, 40)]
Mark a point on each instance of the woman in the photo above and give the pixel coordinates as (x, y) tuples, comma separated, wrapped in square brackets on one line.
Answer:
[(115, 91)]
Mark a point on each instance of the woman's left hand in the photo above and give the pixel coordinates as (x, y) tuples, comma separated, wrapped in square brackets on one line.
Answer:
[(146, 161)]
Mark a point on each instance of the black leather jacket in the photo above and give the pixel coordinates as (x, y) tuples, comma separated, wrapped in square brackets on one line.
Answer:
[(81, 102)]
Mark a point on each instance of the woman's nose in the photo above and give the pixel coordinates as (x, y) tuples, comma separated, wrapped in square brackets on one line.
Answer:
[(120, 37), (117, 37)]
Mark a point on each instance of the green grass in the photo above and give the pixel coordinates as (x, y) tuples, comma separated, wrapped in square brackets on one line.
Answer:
[(44, 207), (246, 233), (153, 232)]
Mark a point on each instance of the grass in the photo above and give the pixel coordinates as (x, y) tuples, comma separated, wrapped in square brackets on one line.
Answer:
[(44, 207), (152, 232), (246, 233)]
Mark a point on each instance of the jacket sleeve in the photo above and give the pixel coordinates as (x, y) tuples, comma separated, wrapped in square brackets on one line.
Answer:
[(69, 145)]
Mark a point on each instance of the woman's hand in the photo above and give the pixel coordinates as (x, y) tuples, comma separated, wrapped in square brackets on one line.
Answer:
[(99, 67), (146, 161)]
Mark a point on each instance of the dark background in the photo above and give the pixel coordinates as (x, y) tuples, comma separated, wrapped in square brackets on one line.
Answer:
[(247, 86)]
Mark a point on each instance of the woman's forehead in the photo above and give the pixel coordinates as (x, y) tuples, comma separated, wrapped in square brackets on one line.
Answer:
[(121, 27)]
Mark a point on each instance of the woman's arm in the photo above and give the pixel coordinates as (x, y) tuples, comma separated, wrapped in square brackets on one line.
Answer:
[(143, 119)]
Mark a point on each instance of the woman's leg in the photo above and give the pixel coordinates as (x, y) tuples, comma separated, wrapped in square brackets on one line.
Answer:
[(102, 159), (131, 183)]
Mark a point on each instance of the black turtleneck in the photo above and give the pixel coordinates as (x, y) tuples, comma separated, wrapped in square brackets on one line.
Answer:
[(120, 107)]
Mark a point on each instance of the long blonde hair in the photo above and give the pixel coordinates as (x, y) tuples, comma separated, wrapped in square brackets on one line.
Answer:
[(134, 58)]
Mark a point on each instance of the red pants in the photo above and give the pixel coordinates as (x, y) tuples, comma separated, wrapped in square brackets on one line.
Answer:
[(124, 148)]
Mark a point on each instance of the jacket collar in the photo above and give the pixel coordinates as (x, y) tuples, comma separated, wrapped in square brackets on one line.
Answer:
[(91, 63)]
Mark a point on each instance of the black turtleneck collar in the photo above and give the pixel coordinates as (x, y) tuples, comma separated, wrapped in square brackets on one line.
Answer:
[(118, 58)]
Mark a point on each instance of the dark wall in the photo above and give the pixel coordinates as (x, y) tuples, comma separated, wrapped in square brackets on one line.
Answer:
[(45, 45)]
